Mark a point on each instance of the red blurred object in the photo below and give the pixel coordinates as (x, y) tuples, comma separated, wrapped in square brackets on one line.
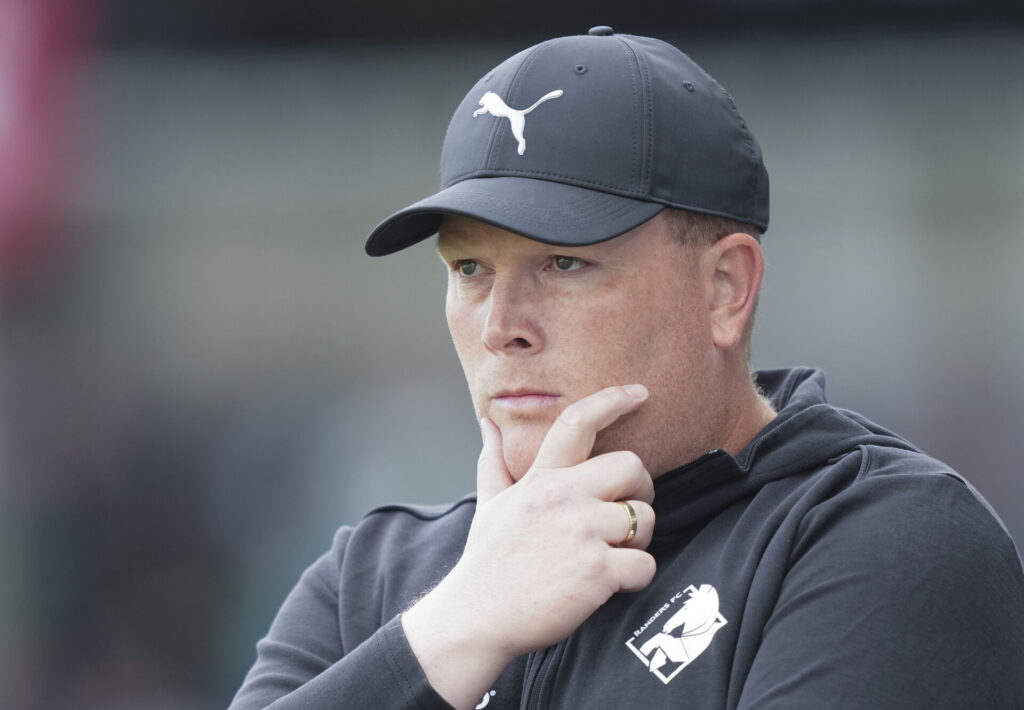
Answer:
[(42, 46)]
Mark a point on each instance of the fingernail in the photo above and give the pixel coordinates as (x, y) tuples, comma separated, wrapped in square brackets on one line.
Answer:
[(483, 429), (636, 391)]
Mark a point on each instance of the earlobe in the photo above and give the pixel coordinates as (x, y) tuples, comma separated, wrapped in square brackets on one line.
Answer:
[(738, 265)]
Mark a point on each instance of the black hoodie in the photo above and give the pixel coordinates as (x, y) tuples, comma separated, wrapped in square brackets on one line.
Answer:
[(829, 565)]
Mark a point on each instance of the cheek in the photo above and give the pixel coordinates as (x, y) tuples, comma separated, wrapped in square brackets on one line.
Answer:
[(460, 322), (658, 346), (465, 330), (621, 338)]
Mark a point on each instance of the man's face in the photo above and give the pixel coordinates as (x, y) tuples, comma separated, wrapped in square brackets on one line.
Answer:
[(538, 327)]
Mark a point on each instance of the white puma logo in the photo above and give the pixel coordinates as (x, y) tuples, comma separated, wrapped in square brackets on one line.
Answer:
[(492, 103)]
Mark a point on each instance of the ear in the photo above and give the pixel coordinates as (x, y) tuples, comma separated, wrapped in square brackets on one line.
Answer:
[(734, 266)]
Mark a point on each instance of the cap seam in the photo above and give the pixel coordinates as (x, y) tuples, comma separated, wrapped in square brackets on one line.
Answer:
[(509, 91), (565, 179), (647, 101), (649, 148), (628, 51), (748, 144), (608, 210)]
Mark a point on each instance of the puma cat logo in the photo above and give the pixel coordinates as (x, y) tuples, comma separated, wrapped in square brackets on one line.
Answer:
[(493, 104)]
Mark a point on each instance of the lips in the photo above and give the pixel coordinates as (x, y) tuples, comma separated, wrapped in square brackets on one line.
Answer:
[(525, 400)]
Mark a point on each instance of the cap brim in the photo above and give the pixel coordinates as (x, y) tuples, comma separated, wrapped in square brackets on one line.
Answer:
[(546, 211)]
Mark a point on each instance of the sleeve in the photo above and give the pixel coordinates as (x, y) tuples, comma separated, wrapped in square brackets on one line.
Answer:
[(301, 662), (903, 591)]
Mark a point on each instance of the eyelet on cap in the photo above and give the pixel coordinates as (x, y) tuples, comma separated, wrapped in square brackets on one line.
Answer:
[(600, 31)]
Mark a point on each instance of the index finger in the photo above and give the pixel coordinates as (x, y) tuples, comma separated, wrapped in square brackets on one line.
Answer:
[(571, 438)]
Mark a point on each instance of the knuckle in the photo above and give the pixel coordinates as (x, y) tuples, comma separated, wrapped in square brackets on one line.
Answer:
[(626, 462), (557, 497), (595, 562), (544, 491), (612, 396), (630, 460), (646, 493), (647, 568), (572, 417), (649, 519)]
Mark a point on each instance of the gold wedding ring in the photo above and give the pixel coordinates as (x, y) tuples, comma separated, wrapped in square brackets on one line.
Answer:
[(632, 521)]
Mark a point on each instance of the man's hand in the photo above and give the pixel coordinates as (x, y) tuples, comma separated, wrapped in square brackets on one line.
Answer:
[(542, 554)]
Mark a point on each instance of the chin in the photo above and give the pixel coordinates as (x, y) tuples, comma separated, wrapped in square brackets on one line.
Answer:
[(517, 467), (520, 446)]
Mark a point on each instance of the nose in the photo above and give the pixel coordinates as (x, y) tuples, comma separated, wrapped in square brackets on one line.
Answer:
[(511, 325)]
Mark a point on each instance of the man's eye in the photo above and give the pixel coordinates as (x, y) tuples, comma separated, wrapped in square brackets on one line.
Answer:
[(467, 268), (567, 263)]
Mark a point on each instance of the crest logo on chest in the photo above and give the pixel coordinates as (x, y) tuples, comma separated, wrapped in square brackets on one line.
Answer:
[(668, 646)]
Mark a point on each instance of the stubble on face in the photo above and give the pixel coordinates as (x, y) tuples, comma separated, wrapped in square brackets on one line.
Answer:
[(632, 315)]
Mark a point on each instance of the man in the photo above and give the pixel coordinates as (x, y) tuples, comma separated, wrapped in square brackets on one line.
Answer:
[(653, 526)]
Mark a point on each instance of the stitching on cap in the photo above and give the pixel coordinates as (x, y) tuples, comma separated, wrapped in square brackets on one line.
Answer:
[(609, 209), (646, 178), (651, 138), (494, 172), (509, 89), (628, 51), (490, 143), (516, 208), (748, 142), (513, 87)]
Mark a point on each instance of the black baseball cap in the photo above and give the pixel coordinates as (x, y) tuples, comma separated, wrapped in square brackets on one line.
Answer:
[(579, 139)]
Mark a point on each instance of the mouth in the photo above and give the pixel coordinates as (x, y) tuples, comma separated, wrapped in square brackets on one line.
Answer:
[(526, 401)]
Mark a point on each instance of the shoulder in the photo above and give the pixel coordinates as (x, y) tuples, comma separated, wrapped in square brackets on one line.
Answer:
[(379, 566), (425, 513), (400, 528), (897, 560), (907, 487), (906, 511), (398, 551)]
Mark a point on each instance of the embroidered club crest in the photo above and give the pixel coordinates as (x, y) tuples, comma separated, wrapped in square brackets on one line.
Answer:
[(683, 637)]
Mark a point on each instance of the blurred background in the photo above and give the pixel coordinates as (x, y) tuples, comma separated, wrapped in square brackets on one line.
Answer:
[(202, 375)]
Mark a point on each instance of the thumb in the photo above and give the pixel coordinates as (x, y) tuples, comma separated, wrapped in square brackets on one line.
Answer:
[(491, 475)]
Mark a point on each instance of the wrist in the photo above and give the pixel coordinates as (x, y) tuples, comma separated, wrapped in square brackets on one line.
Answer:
[(457, 653)]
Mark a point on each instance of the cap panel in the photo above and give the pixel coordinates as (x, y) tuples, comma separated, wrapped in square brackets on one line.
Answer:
[(588, 135), (644, 146), (505, 142), (706, 159), (467, 142)]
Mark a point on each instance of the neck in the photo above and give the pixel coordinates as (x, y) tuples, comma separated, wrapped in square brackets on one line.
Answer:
[(730, 427), (750, 414)]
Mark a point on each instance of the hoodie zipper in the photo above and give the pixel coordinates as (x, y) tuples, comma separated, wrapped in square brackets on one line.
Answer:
[(540, 675)]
